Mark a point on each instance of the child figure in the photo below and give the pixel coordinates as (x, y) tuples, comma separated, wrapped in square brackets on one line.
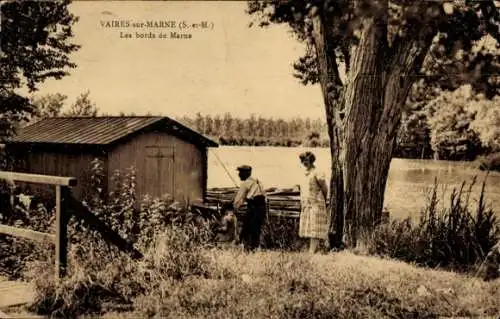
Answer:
[(227, 232)]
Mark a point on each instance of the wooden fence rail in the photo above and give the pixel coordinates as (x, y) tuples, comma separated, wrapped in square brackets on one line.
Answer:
[(39, 179), (27, 233), (61, 242), (65, 205)]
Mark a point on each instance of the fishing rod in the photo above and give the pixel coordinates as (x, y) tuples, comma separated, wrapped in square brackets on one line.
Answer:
[(224, 166)]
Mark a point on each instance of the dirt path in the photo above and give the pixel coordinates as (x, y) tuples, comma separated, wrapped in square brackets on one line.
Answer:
[(13, 293)]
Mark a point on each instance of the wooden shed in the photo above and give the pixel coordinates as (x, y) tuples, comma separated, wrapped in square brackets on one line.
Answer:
[(168, 157)]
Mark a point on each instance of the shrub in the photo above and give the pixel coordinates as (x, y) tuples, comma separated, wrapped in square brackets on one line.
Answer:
[(454, 237), (15, 252), (490, 162), (281, 233), (172, 239), (101, 278)]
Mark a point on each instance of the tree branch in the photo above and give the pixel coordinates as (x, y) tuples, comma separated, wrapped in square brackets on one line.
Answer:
[(328, 71), (405, 59)]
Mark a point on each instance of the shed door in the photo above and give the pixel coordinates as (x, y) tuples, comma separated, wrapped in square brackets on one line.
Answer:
[(159, 170)]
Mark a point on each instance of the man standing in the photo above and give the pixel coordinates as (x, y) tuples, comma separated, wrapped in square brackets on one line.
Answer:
[(252, 192)]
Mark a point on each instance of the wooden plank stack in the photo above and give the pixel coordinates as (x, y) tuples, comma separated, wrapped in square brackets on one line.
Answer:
[(281, 202)]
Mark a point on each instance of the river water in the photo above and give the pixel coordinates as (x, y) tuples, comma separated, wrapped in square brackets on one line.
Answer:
[(408, 183)]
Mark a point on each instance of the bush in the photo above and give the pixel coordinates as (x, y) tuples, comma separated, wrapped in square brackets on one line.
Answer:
[(281, 233), (103, 279), (15, 252), (453, 238), (490, 162), (172, 239)]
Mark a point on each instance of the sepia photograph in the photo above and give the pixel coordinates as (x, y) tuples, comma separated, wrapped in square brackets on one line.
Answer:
[(250, 159)]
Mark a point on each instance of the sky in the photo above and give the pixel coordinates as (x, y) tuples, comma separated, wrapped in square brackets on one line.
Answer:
[(230, 68)]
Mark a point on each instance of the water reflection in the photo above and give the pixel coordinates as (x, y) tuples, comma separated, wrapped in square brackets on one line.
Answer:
[(407, 184), (410, 180)]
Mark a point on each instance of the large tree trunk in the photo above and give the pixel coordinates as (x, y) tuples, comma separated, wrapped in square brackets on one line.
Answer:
[(378, 84), (366, 154), (331, 86), (379, 79)]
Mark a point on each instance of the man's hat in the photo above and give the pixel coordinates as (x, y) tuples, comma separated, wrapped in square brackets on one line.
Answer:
[(244, 168)]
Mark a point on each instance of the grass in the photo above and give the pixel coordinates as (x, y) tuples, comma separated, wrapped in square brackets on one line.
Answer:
[(297, 285), (235, 284), (455, 237), (183, 275)]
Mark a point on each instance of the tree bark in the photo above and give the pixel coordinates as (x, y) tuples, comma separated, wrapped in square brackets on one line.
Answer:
[(365, 164), (378, 85), (362, 144), (331, 86)]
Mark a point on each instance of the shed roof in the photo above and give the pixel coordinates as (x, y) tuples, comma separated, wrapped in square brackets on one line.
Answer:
[(101, 130)]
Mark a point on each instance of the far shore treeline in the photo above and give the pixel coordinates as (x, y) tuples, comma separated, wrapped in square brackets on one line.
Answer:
[(260, 131), (414, 138), (457, 125), (229, 130)]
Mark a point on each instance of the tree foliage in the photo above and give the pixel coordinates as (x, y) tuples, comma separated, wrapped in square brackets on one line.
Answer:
[(487, 123), (83, 106), (52, 105), (455, 57), (414, 134), (450, 124), (35, 45), (49, 105), (462, 122)]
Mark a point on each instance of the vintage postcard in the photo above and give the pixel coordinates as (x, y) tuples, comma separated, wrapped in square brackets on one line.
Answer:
[(250, 159)]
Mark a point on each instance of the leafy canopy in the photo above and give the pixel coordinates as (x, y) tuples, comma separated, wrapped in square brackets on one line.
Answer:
[(52, 105), (454, 59), (34, 46), (83, 106), (462, 120)]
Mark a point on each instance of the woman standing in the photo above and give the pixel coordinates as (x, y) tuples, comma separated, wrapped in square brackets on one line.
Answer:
[(314, 218)]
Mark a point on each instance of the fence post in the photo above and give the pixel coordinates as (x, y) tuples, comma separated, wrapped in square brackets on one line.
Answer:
[(61, 233)]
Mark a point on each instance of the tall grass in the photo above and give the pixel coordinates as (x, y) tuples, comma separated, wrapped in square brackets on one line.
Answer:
[(456, 237), (171, 238), (282, 233), (182, 275)]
